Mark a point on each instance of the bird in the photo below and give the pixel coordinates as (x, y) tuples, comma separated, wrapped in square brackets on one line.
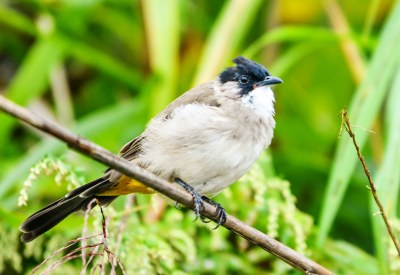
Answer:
[(205, 140)]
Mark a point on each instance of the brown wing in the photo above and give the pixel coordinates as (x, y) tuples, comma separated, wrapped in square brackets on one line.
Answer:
[(203, 93), (130, 150)]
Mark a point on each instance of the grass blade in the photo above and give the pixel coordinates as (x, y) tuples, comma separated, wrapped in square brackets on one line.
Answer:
[(99, 60), (16, 20), (162, 31)]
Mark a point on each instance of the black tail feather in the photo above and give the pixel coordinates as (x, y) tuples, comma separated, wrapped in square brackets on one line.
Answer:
[(51, 215), (47, 218)]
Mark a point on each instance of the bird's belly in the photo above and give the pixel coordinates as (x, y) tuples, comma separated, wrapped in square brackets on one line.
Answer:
[(209, 167), (221, 168)]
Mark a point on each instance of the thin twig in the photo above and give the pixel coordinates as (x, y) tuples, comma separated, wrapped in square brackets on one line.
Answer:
[(372, 188), (92, 255), (85, 222), (172, 191), (69, 256), (122, 227), (61, 250), (103, 223)]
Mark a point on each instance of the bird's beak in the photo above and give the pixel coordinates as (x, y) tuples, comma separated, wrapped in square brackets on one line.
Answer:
[(269, 80)]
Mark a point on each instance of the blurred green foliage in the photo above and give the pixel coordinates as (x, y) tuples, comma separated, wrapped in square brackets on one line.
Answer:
[(103, 68)]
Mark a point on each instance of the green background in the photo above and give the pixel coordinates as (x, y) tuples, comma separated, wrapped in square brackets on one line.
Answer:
[(104, 68)]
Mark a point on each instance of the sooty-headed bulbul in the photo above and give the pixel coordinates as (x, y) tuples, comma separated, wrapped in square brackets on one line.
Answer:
[(204, 140)]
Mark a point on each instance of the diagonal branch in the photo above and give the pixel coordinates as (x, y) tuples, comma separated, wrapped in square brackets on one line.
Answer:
[(172, 191)]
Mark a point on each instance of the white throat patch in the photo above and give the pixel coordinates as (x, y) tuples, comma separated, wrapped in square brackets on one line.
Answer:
[(261, 100)]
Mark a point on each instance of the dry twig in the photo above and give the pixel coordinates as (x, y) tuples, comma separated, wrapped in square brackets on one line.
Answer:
[(347, 125), (82, 249), (172, 191)]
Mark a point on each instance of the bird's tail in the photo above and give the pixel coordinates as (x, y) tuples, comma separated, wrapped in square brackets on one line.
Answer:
[(51, 215)]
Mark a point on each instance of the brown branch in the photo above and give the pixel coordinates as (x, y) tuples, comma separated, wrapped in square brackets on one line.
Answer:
[(347, 125), (172, 191)]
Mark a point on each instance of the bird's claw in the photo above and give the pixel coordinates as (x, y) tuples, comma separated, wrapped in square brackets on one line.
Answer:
[(221, 213), (198, 201), (199, 206)]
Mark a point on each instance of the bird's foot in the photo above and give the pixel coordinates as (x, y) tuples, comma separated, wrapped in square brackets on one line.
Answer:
[(221, 213), (198, 204), (198, 201)]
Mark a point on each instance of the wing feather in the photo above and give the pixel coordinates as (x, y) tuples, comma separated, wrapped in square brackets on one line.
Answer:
[(203, 94)]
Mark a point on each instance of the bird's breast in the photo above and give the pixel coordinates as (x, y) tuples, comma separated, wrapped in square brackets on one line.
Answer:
[(208, 147)]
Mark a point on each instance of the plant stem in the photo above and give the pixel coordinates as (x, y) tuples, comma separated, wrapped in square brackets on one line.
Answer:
[(347, 126)]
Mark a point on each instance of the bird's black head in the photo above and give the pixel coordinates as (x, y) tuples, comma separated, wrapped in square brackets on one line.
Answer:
[(248, 74)]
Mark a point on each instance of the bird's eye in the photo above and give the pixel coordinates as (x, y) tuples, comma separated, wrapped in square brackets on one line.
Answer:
[(243, 79)]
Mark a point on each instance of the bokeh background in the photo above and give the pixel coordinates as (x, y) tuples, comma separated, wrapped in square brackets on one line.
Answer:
[(103, 68)]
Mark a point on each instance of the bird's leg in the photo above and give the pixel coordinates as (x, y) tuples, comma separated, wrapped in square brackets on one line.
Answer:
[(221, 214), (198, 202)]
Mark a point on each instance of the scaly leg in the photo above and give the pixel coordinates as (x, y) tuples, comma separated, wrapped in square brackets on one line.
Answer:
[(198, 204)]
